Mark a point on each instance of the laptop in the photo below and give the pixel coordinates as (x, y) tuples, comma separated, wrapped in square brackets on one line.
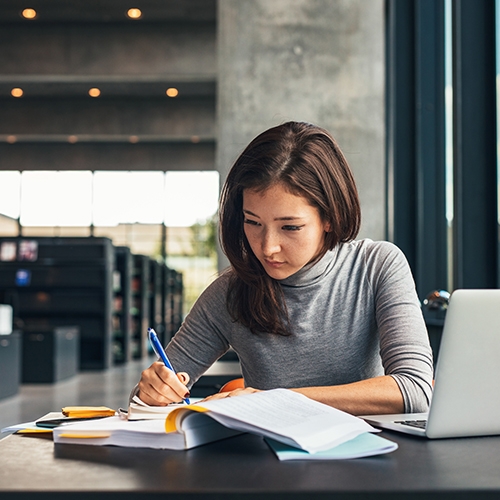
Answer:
[(466, 396)]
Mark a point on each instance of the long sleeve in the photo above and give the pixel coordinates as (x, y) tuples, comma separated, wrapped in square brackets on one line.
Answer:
[(404, 344)]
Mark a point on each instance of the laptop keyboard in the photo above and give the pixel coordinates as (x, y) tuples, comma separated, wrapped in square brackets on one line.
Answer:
[(420, 424)]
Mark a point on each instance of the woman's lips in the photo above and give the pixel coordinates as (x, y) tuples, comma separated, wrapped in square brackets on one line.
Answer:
[(274, 263)]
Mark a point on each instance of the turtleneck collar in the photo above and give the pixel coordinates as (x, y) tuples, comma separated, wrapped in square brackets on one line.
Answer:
[(311, 273)]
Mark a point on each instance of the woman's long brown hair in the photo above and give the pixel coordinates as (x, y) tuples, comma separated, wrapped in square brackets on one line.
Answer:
[(305, 160)]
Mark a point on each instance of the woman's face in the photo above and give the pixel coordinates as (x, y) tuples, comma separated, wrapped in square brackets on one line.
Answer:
[(284, 231)]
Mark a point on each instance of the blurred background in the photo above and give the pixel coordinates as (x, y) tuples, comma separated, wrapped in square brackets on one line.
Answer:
[(119, 121)]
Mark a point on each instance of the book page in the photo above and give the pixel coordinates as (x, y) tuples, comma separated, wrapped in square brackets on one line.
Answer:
[(270, 409), (289, 417), (138, 410)]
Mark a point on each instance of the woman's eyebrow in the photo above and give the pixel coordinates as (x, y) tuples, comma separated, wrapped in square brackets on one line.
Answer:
[(289, 217), (250, 213)]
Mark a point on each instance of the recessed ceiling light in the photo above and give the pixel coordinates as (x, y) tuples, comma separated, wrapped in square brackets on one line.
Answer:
[(94, 92), (16, 92), (134, 13), (72, 139), (11, 139), (172, 92), (29, 13)]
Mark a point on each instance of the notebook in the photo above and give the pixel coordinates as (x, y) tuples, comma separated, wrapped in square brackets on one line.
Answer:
[(466, 398)]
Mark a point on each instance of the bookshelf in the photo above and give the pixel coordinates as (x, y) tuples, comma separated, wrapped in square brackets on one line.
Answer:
[(122, 305), (173, 301), (140, 306), (62, 282), (155, 299)]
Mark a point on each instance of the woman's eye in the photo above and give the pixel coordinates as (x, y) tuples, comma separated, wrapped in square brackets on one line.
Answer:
[(292, 228), (251, 222)]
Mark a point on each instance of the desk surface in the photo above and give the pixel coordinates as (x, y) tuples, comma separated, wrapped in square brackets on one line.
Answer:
[(244, 467)]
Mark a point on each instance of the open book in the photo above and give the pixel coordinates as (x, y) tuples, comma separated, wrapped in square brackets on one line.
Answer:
[(280, 414)]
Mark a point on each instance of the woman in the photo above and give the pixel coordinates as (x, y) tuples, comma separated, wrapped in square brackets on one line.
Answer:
[(303, 304)]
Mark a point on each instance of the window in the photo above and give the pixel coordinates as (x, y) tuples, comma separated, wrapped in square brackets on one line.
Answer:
[(169, 216), (441, 141)]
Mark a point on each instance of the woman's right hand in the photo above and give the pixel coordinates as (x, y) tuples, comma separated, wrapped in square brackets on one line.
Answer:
[(160, 386)]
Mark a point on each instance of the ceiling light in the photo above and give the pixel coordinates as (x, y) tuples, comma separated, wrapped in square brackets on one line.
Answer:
[(16, 92), (72, 139), (172, 92), (134, 13), (11, 139), (94, 92), (29, 13)]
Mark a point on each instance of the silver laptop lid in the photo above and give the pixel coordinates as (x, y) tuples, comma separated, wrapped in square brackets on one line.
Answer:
[(466, 399)]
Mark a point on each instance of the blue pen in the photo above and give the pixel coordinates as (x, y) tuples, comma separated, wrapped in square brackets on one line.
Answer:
[(160, 352)]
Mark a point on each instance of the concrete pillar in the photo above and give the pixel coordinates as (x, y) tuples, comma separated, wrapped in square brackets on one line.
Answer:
[(320, 61)]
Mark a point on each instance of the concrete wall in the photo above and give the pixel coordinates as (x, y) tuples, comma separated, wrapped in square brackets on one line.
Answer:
[(320, 61)]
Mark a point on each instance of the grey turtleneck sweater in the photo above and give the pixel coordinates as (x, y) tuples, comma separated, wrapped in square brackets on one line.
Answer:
[(354, 314)]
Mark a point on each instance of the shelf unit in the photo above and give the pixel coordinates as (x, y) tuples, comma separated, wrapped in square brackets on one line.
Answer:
[(173, 301), (140, 306), (64, 282), (155, 300), (122, 305)]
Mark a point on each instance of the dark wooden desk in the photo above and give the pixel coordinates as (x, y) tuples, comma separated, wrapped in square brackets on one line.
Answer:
[(244, 468)]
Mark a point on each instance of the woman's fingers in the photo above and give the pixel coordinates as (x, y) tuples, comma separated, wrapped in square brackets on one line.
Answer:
[(231, 394), (160, 386), (183, 377)]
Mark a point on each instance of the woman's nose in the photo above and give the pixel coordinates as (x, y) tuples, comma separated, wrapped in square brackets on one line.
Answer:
[(270, 243)]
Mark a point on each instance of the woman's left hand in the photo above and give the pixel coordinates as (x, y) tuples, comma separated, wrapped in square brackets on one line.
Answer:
[(230, 394)]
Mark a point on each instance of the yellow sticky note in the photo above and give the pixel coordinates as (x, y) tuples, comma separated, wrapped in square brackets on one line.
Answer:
[(88, 411), (34, 431)]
